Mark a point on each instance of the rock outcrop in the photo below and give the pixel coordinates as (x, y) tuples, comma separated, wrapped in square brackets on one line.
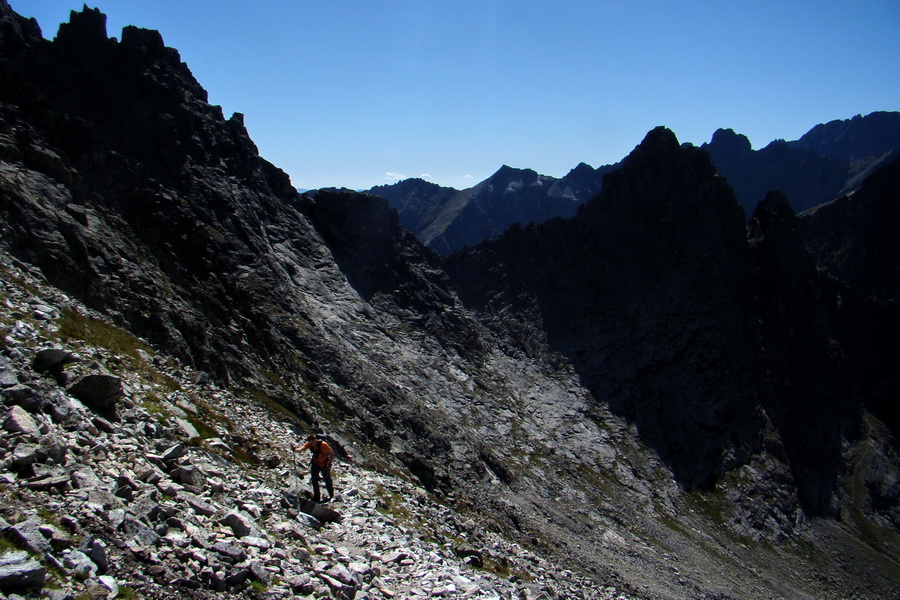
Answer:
[(646, 291), (852, 241)]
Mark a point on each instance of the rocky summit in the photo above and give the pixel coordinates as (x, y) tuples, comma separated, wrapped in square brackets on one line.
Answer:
[(650, 400)]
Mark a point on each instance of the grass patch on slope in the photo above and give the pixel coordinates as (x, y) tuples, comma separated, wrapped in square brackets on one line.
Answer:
[(74, 326)]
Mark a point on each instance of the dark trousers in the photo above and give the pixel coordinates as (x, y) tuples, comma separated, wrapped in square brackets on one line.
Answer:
[(314, 473)]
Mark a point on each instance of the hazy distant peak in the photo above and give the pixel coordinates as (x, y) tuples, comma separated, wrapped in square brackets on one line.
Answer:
[(856, 138), (726, 140), (581, 169)]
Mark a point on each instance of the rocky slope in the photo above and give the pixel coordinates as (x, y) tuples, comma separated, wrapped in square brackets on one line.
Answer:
[(719, 345), (635, 458), (124, 497)]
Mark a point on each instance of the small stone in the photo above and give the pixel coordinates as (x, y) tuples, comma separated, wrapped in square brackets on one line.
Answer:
[(259, 573), (240, 524), (189, 475), (187, 428), (25, 455), (231, 552), (22, 395), (8, 376), (111, 584), (256, 542), (18, 420), (95, 550), (80, 564), (199, 505), (174, 452)]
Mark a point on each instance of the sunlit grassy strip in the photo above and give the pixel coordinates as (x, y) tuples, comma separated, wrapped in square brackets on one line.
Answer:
[(75, 326)]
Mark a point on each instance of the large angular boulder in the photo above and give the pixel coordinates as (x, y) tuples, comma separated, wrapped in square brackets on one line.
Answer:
[(98, 391), (18, 569), (53, 361)]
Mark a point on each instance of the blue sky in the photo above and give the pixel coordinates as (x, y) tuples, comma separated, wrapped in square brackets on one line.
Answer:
[(363, 92)]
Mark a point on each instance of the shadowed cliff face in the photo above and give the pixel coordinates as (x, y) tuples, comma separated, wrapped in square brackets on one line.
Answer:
[(139, 173), (806, 379), (678, 324), (647, 292), (830, 160), (854, 240)]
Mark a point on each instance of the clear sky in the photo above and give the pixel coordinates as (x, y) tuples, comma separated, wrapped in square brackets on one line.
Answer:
[(358, 93)]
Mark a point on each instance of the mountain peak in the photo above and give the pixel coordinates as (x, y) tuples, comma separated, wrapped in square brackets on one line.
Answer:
[(580, 170), (660, 139), (856, 138), (726, 140), (507, 172), (16, 31), (84, 29)]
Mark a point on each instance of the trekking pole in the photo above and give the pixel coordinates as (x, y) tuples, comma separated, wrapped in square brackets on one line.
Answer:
[(296, 487)]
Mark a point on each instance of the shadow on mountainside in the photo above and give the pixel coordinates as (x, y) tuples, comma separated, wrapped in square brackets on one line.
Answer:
[(672, 318)]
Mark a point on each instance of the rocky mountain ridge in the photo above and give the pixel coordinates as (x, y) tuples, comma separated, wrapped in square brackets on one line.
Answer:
[(828, 161), (447, 220), (324, 308)]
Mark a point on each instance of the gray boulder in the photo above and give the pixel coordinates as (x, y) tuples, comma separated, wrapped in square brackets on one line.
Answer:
[(18, 569), (51, 359), (95, 550), (8, 375), (98, 391), (20, 395), (19, 421), (80, 563)]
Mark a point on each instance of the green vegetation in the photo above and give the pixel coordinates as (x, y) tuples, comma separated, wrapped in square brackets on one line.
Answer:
[(257, 587), (501, 568), (127, 593), (271, 404), (7, 544), (391, 504), (73, 326)]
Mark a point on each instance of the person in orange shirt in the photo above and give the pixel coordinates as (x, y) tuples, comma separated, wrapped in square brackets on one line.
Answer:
[(322, 457)]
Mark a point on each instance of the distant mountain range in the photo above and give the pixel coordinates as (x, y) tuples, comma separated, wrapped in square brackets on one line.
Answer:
[(447, 220), (828, 161)]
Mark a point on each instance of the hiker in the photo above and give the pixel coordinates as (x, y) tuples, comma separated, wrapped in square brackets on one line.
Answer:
[(322, 456), (339, 450)]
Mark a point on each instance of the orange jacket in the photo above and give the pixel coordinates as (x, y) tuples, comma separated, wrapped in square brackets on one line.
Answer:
[(322, 452)]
